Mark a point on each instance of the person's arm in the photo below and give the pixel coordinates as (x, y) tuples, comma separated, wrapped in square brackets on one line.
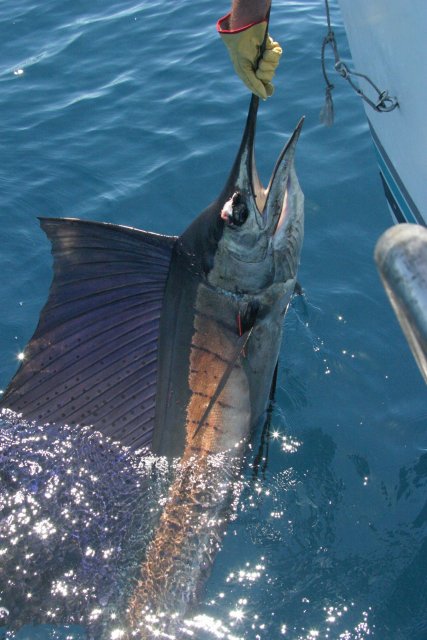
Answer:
[(245, 12), (243, 31)]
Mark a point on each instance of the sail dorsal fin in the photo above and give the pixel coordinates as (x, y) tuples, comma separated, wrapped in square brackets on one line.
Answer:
[(93, 357)]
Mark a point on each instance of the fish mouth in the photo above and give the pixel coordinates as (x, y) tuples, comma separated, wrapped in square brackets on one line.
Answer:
[(280, 188), (266, 207)]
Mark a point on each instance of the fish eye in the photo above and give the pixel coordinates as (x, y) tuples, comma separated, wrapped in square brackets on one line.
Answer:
[(239, 210), (235, 211)]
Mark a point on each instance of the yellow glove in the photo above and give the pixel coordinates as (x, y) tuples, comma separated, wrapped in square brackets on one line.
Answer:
[(244, 46)]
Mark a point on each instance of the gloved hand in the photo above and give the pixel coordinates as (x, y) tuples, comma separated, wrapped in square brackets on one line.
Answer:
[(244, 47)]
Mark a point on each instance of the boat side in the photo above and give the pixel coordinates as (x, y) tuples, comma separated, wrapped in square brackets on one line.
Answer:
[(387, 43)]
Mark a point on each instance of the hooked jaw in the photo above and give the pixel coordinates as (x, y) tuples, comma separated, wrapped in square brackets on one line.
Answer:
[(246, 202)]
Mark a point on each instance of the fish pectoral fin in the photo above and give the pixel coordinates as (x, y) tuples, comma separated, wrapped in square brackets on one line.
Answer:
[(238, 351), (93, 357)]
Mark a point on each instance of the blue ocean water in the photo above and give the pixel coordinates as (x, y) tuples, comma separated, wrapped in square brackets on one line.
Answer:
[(128, 112)]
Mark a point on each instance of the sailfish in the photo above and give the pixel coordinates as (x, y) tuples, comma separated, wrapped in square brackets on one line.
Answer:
[(170, 345)]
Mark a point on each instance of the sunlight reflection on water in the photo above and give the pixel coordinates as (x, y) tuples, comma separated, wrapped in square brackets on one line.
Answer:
[(74, 518), (77, 513)]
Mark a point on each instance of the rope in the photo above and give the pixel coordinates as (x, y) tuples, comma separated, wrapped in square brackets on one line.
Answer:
[(383, 102)]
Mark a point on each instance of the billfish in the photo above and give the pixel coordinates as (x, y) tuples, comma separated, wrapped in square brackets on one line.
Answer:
[(170, 344)]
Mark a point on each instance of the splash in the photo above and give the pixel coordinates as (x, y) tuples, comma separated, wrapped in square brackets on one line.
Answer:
[(76, 511)]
